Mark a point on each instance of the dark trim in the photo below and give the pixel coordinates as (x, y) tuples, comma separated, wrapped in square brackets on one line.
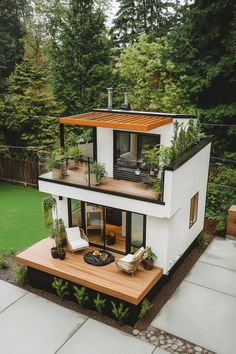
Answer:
[(194, 196), (60, 197), (154, 114), (62, 139), (95, 144), (128, 231), (118, 194), (188, 155), (69, 212)]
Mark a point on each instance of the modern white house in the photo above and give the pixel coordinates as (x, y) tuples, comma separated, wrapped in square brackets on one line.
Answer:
[(125, 212)]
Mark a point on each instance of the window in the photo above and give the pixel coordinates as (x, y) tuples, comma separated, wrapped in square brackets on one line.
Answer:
[(129, 147), (193, 210), (137, 230), (75, 213)]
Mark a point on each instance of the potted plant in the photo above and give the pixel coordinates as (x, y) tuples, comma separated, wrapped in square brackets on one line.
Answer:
[(151, 160), (111, 238), (56, 164), (57, 227), (149, 258), (156, 185), (98, 170), (73, 155)]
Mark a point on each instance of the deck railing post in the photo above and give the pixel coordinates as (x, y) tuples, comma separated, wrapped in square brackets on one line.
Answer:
[(89, 172)]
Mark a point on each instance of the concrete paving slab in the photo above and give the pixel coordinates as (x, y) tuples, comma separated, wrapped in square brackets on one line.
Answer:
[(213, 277), (9, 294), (202, 316), (36, 325), (96, 337), (221, 252)]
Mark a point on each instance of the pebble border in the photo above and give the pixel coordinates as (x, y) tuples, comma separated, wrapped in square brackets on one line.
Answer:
[(169, 342)]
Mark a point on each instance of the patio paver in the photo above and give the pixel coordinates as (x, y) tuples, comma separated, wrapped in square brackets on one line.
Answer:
[(215, 278), (9, 294), (95, 337), (222, 253), (203, 308), (36, 325)]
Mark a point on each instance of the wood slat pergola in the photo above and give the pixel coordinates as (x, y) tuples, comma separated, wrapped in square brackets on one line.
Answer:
[(133, 122)]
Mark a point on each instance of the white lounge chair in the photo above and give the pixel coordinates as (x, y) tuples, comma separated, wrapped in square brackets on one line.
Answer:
[(130, 262), (76, 239)]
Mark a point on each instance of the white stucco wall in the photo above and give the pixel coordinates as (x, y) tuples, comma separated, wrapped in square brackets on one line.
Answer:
[(62, 209), (105, 148)]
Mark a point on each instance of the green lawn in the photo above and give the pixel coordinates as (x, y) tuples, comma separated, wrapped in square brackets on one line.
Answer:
[(21, 217)]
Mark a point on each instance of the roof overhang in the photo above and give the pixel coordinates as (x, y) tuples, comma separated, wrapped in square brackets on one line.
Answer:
[(114, 120)]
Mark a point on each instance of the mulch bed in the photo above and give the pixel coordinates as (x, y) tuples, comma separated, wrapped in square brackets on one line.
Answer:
[(158, 302)]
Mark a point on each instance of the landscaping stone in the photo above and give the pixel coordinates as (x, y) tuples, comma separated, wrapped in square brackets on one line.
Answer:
[(153, 338), (135, 332), (198, 349)]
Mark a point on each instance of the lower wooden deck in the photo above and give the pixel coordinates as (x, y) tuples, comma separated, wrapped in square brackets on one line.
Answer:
[(106, 279)]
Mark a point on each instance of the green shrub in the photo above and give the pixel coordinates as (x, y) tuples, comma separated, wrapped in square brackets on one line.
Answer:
[(99, 303), (3, 263), (145, 307), (81, 295), (120, 312), (202, 241), (221, 228), (20, 275), (61, 287)]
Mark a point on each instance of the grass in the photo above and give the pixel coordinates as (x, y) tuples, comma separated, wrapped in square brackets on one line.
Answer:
[(21, 217)]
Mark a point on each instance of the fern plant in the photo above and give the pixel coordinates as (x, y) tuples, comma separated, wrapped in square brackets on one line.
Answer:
[(99, 303), (61, 287), (81, 295), (145, 307), (120, 312)]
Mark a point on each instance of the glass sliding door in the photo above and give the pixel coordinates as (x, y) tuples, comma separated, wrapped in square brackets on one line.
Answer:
[(76, 215), (137, 231), (115, 229), (94, 223)]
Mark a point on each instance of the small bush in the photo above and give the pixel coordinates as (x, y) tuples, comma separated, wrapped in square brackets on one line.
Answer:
[(120, 312), (221, 228), (145, 307), (20, 275), (3, 263), (61, 287), (99, 303), (81, 295), (202, 241)]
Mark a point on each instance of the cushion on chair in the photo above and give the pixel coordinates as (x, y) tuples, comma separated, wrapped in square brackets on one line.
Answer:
[(74, 239), (73, 233), (128, 258), (138, 253), (79, 243)]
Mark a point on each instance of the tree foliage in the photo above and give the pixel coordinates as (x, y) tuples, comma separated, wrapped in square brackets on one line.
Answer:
[(151, 79), (204, 52), (79, 54), (152, 17)]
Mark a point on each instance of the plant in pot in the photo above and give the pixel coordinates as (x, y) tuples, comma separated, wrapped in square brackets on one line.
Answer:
[(73, 156), (98, 172), (111, 238), (56, 227), (56, 163), (151, 160), (156, 185), (149, 258)]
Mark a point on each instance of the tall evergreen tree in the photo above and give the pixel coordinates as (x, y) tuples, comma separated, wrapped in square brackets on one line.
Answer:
[(11, 34), (80, 55), (205, 54), (152, 17)]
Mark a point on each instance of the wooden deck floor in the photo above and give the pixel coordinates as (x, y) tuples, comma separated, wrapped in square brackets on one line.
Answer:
[(79, 177), (106, 279)]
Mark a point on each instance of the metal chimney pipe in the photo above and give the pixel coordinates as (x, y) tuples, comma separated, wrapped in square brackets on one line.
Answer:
[(126, 99), (109, 92)]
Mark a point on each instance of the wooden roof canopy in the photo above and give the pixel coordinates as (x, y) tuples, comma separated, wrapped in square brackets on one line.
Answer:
[(109, 119)]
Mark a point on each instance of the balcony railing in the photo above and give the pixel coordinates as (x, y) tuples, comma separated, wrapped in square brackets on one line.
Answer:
[(80, 175)]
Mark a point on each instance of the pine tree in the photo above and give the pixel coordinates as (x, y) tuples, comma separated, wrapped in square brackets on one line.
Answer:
[(152, 17), (80, 55), (11, 33), (205, 55)]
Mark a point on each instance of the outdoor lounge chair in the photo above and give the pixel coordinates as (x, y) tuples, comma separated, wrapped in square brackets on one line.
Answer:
[(130, 262), (76, 239)]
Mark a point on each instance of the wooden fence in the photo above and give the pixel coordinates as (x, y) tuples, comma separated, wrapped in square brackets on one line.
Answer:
[(19, 171)]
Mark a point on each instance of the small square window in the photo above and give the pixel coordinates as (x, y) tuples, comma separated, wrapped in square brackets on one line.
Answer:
[(193, 209)]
